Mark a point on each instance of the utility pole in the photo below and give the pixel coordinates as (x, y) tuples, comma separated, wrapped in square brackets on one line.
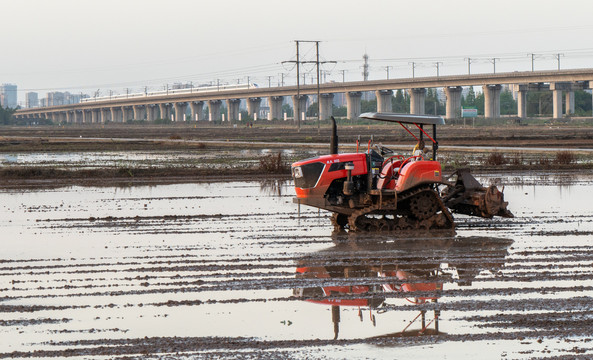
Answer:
[(558, 59), (469, 62), (532, 62), (387, 70), (365, 67), (270, 81), (437, 66), (493, 61), (127, 92), (217, 84), (318, 91), (413, 68), (298, 63), (343, 75), (281, 79)]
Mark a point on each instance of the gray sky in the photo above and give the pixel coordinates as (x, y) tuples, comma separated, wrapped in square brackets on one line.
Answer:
[(82, 46)]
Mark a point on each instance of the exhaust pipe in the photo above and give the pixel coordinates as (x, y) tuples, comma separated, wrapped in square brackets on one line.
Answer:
[(333, 145)]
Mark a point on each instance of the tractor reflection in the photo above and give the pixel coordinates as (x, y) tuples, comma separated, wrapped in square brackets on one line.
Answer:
[(385, 277)]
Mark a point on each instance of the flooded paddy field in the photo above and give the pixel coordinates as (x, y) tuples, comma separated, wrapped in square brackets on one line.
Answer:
[(236, 269)]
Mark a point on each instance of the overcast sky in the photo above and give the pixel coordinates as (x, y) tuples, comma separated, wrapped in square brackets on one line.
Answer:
[(82, 46)]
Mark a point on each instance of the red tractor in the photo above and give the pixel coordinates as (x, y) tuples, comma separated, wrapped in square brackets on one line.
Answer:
[(381, 190)]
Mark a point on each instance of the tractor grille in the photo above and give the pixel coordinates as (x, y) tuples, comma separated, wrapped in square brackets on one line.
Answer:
[(308, 175)]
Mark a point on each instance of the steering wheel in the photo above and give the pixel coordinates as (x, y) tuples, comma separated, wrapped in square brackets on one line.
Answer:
[(383, 149)]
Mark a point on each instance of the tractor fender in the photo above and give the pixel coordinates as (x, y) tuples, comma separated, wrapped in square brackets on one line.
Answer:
[(418, 172)]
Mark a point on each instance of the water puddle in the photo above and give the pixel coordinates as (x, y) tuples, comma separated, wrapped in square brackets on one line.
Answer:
[(232, 269)]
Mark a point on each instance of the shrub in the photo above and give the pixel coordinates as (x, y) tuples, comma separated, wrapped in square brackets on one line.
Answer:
[(565, 158), (495, 158), (272, 164)]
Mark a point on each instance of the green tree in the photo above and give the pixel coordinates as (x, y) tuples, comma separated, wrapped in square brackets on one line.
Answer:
[(6, 116), (479, 103), (287, 109), (432, 104), (508, 105), (312, 110), (368, 105), (470, 99), (340, 111), (582, 103), (400, 103)]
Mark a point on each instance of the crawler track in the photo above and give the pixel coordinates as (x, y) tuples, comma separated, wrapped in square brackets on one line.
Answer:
[(416, 209)]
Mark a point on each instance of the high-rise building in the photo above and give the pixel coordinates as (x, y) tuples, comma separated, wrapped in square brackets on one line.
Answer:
[(31, 100), (8, 96), (55, 98)]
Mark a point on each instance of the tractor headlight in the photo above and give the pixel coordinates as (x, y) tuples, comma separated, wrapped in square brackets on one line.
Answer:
[(297, 172)]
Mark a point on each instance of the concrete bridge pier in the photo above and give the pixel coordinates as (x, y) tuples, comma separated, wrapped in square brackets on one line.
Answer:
[(521, 91), (86, 116), (127, 113), (95, 116), (353, 107), (197, 110), (417, 98), (150, 113), (275, 103), (165, 113), (114, 114), (384, 100), (214, 110), (491, 101), (69, 117), (300, 108), (326, 106), (232, 106), (453, 110), (253, 105), (180, 109), (557, 89), (569, 103), (104, 115), (139, 111)]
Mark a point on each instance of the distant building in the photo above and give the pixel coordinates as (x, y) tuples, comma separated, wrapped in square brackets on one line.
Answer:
[(8, 98), (55, 98), (31, 100)]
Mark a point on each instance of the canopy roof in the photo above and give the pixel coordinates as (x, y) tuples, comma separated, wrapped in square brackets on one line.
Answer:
[(404, 118)]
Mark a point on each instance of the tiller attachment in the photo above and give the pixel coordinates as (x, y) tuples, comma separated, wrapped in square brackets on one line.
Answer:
[(467, 196)]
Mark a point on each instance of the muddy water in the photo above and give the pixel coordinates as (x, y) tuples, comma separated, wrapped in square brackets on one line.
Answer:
[(234, 270)]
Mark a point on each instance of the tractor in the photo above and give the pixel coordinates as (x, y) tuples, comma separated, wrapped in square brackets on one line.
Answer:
[(380, 190)]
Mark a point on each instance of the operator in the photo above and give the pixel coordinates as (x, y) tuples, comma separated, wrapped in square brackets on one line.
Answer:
[(419, 150)]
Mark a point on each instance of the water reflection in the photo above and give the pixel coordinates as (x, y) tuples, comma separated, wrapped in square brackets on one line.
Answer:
[(379, 277)]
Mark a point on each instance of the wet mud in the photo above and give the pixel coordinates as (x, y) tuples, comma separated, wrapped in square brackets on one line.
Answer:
[(237, 270)]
